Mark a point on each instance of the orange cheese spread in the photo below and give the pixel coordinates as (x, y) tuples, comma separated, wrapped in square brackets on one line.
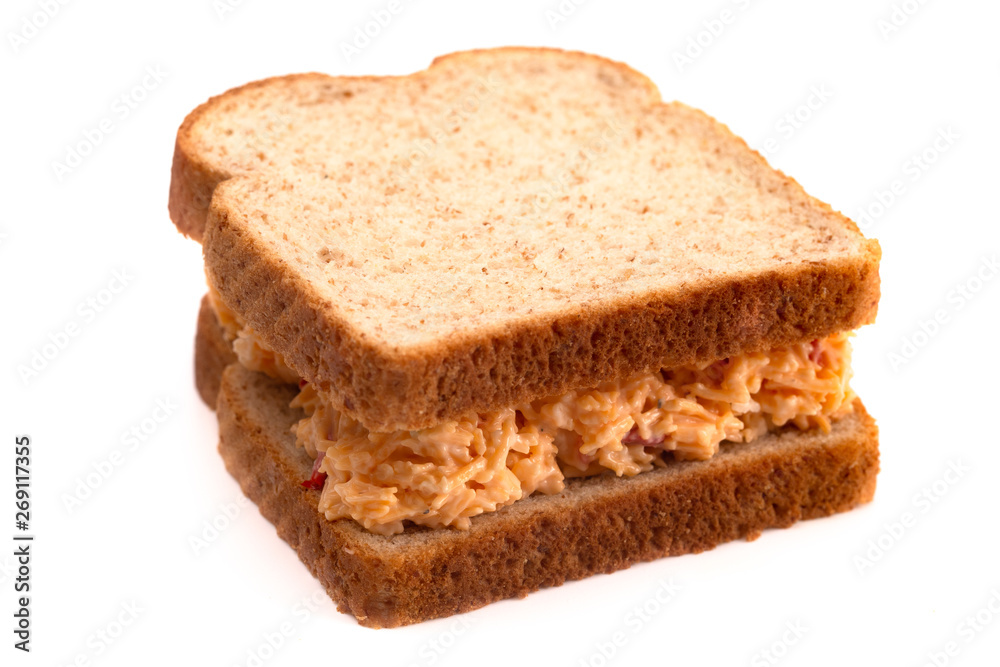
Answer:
[(446, 474)]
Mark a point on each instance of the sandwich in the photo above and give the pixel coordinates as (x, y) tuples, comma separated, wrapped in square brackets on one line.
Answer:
[(512, 321)]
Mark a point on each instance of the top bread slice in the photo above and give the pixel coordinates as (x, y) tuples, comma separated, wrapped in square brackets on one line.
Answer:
[(504, 225)]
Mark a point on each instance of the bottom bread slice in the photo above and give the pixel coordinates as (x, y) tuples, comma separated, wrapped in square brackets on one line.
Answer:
[(212, 353), (596, 525)]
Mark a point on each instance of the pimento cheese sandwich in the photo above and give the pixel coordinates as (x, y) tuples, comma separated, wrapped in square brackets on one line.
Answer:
[(513, 320)]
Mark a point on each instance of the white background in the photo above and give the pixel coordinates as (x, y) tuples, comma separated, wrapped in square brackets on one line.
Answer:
[(886, 96)]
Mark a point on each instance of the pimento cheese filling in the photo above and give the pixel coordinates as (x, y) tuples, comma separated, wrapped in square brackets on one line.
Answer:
[(446, 474)]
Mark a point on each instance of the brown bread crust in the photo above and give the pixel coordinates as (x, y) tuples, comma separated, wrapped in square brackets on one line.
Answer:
[(597, 525), (192, 183), (388, 390), (212, 353)]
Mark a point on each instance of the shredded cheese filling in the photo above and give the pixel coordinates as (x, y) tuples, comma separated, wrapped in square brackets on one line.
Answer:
[(446, 474)]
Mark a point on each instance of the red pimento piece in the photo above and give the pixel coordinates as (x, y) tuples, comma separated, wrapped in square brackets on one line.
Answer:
[(316, 480), (816, 352), (303, 383)]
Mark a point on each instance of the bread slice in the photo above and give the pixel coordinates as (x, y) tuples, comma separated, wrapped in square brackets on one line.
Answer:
[(596, 525), (212, 353), (504, 225), (343, 124)]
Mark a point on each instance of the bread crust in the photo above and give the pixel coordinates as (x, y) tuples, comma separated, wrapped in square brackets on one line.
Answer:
[(388, 389), (597, 525), (212, 353)]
